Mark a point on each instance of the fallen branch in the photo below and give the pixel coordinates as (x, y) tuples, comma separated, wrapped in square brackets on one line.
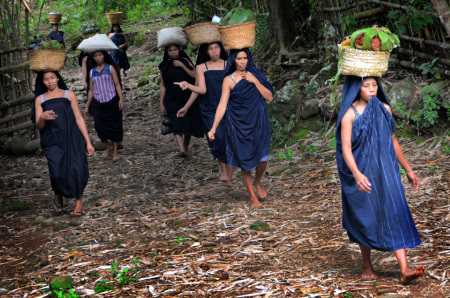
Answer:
[(442, 45), (416, 67), (423, 56)]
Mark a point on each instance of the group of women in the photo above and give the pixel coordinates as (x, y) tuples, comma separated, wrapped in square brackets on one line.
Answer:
[(224, 96), (228, 94)]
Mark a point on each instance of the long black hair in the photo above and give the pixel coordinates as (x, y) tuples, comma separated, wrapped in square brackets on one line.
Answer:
[(203, 55), (108, 60), (112, 28)]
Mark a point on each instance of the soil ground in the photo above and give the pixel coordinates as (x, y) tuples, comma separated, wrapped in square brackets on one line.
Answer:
[(186, 234)]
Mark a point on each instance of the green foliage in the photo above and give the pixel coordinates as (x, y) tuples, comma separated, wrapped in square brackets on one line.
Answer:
[(414, 16), (428, 116), (262, 28), (332, 145), (259, 225), (311, 90), (429, 68), (101, 286), (20, 206), (237, 16), (62, 287), (287, 155), (281, 132), (349, 22)]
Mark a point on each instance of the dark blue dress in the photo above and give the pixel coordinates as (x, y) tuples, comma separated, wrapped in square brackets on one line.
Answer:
[(380, 220), (64, 148), (248, 136), (120, 56), (208, 105)]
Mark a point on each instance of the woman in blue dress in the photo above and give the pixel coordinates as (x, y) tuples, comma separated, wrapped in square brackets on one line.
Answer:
[(375, 211), (55, 34), (120, 40), (244, 94), (211, 62), (63, 136)]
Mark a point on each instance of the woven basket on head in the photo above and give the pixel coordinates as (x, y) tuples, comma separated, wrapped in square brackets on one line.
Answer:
[(86, 36), (54, 18), (114, 17), (364, 63), (238, 36), (203, 33), (47, 60)]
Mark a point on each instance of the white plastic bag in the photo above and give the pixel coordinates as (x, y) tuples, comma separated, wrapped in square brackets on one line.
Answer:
[(170, 36), (98, 42)]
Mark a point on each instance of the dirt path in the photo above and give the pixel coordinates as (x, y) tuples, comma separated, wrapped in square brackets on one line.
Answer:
[(194, 236)]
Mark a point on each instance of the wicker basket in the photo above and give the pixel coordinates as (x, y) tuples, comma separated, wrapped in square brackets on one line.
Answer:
[(238, 36), (86, 36), (115, 17), (203, 33), (54, 18), (364, 63), (47, 60)]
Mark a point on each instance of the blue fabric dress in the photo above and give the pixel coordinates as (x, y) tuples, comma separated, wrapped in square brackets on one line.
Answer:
[(208, 105), (119, 56), (64, 147), (380, 219), (248, 136)]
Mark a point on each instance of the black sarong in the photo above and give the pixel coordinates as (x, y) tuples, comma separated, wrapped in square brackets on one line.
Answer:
[(108, 119)]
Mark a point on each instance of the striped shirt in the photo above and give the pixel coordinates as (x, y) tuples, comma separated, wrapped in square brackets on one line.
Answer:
[(104, 88)]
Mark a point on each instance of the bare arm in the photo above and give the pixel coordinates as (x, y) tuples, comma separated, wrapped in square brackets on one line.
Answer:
[(265, 92), (117, 85), (124, 45), (200, 84), (84, 71), (412, 178), (222, 107), (362, 182), (80, 121), (162, 93), (90, 96)]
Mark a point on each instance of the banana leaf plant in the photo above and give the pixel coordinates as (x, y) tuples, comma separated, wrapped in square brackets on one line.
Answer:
[(238, 16)]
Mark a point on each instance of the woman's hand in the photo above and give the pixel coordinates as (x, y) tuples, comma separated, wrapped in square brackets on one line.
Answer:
[(211, 134), (163, 110), (249, 77), (48, 115), (363, 183), (178, 63), (86, 112), (182, 112), (90, 149), (85, 86), (183, 85), (413, 180), (121, 104)]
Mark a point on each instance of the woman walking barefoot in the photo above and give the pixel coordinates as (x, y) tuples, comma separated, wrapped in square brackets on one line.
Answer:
[(120, 40), (244, 92), (211, 62), (176, 67), (105, 96), (375, 211), (63, 133)]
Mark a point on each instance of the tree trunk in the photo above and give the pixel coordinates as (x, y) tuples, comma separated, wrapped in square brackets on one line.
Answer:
[(281, 33), (444, 14)]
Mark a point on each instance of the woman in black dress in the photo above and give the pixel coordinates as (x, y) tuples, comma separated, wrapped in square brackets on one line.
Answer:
[(177, 67)]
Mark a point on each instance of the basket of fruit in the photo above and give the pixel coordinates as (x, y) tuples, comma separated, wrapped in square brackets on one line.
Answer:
[(203, 33), (366, 52), (115, 17), (237, 30), (48, 56), (89, 30), (54, 17)]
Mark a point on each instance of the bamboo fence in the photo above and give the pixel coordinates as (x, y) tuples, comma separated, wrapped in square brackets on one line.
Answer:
[(15, 77)]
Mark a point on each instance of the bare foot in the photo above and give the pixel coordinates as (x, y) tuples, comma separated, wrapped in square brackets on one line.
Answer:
[(255, 202), (260, 190), (182, 154), (369, 274), (412, 274), (230, 183), (116, 157), (106, 152)]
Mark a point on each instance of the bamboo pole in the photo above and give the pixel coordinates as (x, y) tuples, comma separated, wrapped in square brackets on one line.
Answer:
[(341, 8), (7, 51), (14, 128), (14, 117), (442, 45), (25, 99), (368, 13), (15, 68), (423, 56), (416, 67), (402, 7)]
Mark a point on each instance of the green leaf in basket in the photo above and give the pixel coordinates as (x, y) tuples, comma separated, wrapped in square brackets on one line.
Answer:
[(238, 16), (387, 45), (366, 42), (383, 36)]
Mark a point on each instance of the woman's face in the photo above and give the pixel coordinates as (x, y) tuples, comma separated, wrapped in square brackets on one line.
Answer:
[(116, 28), (99, 58), (368, 89), (174, 52), (241, 61), (50, 80), (214, 51), (55, 27)]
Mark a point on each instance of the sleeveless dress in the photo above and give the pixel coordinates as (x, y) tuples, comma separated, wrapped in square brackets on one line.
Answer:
[(175, 98), (64, 147), (380, 219), (119, 56), (105, 106), (208, 105)]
